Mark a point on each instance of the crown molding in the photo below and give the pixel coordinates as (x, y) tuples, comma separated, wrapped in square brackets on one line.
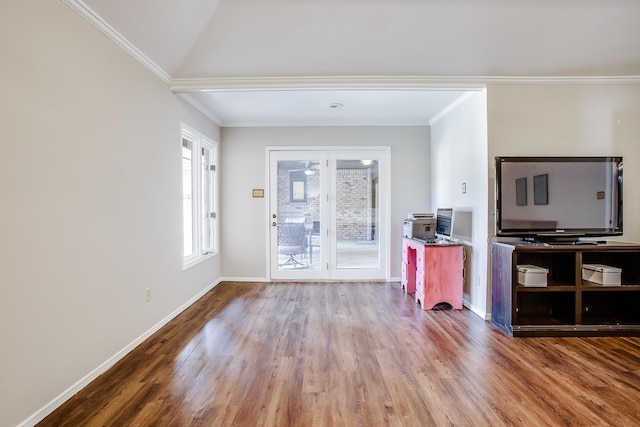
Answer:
[(562, 80), (381, 82), (198, 106), (450, 107), (90, 15), (323, 82)]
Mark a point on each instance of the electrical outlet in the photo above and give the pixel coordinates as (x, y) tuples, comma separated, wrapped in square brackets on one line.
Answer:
[(147, 295)]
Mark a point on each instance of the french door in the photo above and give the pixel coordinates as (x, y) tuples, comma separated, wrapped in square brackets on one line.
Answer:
[(328, 214)]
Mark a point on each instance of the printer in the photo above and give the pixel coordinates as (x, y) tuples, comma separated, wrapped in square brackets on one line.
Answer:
[(420, 226)]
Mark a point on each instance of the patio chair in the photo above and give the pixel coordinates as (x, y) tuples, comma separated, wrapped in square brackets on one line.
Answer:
[(292, 242)]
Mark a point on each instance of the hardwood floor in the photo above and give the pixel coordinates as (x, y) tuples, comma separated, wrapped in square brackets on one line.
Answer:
[(354, 354)]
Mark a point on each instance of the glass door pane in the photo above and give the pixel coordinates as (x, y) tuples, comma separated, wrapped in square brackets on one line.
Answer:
[(357, 214), (297, 215)]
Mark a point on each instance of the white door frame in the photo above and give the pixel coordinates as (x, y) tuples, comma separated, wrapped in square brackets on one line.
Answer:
[(328, 253)]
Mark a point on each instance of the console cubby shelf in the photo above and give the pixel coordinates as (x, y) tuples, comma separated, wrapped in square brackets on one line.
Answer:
[(568, 305), (600, 288), (549, 288)]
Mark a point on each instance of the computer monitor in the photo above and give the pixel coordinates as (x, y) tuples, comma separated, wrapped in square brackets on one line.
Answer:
[(444, 223)]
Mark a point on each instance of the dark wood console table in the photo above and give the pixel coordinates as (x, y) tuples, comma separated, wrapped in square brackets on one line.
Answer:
[(568, 305)]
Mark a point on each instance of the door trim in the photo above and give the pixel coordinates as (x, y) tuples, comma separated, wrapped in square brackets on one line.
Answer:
[(385, 210)]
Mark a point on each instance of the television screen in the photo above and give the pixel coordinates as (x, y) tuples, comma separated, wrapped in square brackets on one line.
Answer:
[(558, 196)]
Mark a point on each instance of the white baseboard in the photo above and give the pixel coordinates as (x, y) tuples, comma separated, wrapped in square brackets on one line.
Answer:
[(83, 382), (267, 280), (481, 313), (245, 279)]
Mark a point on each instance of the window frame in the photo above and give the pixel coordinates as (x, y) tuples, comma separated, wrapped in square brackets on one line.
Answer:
[(200, 142)]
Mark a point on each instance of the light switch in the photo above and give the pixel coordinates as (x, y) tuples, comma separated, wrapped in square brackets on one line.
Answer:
[(464, 188)]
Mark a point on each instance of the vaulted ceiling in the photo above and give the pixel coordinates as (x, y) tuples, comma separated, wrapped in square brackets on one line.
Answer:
[(223, 52)]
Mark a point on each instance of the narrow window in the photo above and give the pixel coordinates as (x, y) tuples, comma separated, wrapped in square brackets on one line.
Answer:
[(199, 197), (208, 207), (187, 196)]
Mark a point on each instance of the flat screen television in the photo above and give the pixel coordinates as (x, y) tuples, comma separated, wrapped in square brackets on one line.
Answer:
[(558, 198)]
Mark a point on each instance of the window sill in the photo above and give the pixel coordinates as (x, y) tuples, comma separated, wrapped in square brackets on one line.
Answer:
[(195, 261)]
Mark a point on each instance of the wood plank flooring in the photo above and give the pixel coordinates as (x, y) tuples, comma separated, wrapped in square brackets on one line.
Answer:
[(355, 354)]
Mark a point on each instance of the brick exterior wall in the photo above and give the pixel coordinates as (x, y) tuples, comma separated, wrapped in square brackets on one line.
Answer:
[(354, 204), (309, 210)]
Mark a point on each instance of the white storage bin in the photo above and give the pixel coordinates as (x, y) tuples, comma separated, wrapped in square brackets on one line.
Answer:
[(601, 274), (532, 275)]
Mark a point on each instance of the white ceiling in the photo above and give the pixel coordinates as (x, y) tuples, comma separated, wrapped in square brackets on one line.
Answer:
[(327, 107), (196, 44)]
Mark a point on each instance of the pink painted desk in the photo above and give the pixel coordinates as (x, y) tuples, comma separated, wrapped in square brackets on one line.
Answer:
[(433, 272)]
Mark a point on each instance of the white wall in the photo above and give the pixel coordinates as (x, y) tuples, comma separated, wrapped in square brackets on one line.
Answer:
[(90, 191), (570, 120), (459, 155), (244, 219)]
